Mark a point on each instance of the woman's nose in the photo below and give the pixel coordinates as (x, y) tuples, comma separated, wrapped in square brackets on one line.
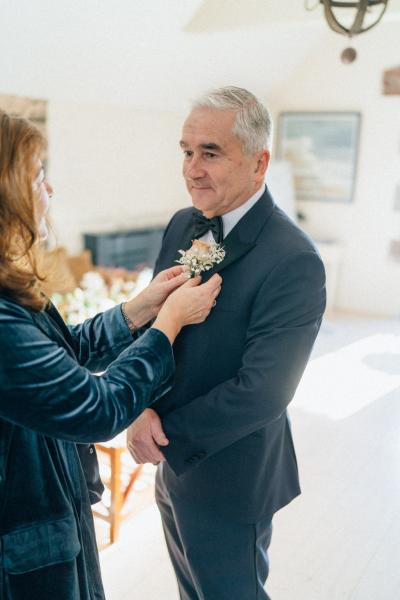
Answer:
[(49, 188)]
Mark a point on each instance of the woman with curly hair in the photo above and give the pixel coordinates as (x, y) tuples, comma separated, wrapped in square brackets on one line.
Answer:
[(50, 401)]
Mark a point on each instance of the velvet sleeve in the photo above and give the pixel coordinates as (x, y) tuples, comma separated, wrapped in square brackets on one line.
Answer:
[(100, 340), (44, 389)]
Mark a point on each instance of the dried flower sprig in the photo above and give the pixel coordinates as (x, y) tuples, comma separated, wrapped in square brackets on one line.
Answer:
[(201, 257)]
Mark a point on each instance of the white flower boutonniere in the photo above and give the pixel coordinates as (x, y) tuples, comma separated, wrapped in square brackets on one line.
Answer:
[(201, 257)]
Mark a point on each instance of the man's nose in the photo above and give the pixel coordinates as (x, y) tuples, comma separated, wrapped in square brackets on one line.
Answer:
[(194, 168)]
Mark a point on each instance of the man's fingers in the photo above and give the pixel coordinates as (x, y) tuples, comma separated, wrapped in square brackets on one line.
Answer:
[(143, 460), (161, 439), (144, 436), (159, 458), (148, 447), (158, 435), (142, 456)]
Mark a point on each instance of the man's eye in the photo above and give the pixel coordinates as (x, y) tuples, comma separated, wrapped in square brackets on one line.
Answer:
[(187, 153), (209, 154)]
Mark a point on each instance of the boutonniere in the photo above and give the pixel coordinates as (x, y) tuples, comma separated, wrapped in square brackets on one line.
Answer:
[(201, 257)]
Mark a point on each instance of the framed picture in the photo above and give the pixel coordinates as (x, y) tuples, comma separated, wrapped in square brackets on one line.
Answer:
[(322, 148)]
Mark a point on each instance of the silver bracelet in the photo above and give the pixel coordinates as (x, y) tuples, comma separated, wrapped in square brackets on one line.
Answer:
[(131, 325)]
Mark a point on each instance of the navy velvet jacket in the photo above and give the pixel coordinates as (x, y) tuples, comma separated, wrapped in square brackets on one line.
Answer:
[(231, 447), (49, 399)]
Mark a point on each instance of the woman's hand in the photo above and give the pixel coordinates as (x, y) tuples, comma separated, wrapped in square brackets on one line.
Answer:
[(163, 284), (146, 305), (188, 305)]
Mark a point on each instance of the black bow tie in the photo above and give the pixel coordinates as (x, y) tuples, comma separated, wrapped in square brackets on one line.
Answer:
[(202, 225)]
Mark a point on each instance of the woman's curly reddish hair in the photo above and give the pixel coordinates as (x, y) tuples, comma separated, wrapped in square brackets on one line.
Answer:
[(20, 144)]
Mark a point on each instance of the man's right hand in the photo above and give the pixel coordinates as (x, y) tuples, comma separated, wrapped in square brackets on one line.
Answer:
[(144, 436)]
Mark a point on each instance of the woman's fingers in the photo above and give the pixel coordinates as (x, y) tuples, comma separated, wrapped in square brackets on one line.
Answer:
[(210, 300), (177, 281), (214, 283), (216, 279), (192, 282), (214, 287), (177, 270), (170, 285), (171, 273), (191, 303)]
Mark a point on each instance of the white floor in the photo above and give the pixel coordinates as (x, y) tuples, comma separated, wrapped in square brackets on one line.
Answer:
[(341, 539)]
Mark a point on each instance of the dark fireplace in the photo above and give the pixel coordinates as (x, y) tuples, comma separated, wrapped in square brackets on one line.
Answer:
[(130, 249)]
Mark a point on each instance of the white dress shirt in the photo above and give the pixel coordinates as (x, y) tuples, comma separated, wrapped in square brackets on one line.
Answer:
[(230, 219)]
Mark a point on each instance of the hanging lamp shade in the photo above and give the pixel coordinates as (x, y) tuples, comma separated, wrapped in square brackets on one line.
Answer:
[(363, 8)]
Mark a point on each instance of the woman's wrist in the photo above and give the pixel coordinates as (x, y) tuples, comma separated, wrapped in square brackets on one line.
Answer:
[(138, 311), (168, 325), (131, 325)]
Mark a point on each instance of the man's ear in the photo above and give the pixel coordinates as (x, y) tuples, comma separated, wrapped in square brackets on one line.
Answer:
[(262, 165)]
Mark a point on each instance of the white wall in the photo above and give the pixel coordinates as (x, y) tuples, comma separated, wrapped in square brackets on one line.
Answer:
[(111, 168), (116, 167), (368, 281)]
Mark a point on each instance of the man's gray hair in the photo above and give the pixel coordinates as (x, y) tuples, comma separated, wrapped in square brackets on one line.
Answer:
[(253, 125)]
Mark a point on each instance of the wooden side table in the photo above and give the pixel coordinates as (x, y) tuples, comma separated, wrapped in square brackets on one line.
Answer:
[(119, 491)]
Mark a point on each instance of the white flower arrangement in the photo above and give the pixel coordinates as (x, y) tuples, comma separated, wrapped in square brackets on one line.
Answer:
[(201, 257), (96, 294)]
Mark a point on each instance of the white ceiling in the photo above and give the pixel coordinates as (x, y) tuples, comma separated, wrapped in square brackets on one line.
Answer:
[(152, 53)]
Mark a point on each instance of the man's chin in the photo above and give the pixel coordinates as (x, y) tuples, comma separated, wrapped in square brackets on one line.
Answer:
[(203, 199)]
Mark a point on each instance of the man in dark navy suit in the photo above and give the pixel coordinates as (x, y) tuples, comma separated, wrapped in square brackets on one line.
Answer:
[(222, 435)]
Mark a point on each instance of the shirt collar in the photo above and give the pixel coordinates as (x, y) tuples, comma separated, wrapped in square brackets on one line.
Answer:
[(233, 217)]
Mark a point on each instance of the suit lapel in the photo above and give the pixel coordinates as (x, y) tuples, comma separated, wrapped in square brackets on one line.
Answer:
[(239, 241), (234, 248), (243, 236)]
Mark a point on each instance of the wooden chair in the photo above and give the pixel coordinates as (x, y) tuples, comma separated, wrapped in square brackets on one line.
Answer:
[(119, 490)]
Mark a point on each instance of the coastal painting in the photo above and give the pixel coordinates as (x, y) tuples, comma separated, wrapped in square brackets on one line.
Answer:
[(322, 148)]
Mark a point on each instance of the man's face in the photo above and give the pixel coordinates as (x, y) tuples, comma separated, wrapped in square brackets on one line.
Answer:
[(218, 175)]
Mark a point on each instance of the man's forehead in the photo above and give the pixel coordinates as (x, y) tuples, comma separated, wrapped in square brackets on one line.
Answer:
[(208, 127)]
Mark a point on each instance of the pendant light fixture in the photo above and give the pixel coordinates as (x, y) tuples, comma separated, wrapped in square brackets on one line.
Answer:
[(366, 14)]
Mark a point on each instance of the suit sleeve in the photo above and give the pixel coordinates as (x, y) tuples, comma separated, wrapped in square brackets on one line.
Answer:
[(285, 319), (44, 389)]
